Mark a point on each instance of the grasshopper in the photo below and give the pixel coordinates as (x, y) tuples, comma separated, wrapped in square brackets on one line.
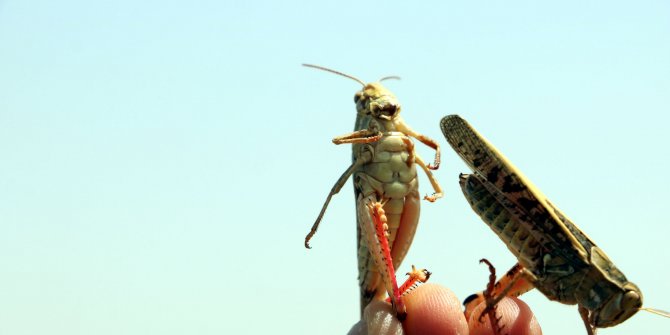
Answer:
[(554, 255), (386, 188)]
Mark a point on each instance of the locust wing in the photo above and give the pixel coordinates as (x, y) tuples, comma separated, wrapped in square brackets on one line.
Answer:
[(529, 206)]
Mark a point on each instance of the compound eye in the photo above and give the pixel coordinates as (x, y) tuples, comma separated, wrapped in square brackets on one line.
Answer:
[(631, 300)]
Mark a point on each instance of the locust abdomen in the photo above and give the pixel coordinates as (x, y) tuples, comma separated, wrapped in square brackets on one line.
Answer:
[(391, 179)]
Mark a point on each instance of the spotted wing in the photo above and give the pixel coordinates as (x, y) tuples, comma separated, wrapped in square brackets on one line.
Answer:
[(548, 225)]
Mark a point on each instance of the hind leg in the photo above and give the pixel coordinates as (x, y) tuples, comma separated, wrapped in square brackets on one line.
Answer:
[(514, 283), (374, 228)]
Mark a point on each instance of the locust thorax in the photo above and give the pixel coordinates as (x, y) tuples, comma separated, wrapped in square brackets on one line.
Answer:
[(375, 100), (619, 307)]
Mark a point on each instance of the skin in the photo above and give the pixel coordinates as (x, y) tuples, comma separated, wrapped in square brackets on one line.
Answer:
[(434, 309)]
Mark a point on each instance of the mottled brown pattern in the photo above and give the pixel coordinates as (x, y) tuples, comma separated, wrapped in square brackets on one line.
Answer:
[(558, 258)]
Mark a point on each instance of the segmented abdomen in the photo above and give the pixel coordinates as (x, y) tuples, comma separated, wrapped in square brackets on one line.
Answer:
[(556, 277), (517, 238), (390, 178)]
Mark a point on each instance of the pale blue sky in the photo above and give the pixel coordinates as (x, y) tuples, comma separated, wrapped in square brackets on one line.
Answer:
[(163, 160)]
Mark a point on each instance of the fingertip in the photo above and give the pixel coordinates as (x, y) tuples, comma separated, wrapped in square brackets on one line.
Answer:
[(434, 309), (525, 321), (380, 319), (515, 318)]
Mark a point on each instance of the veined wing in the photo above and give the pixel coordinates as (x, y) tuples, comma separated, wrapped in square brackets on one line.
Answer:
[(544, 220), (518, 232)]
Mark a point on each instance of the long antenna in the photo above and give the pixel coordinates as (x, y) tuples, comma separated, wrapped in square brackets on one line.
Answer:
[(656, 311), (335, 72), (389, 77)]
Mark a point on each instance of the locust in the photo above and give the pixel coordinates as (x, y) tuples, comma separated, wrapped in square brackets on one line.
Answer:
[(385, 187), (554, 255)]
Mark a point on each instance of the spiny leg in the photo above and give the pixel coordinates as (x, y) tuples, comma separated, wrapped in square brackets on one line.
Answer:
[(491, 307), (415, 277), (518, 285), (514, 283), (359, 137), (584, 313), (373, 225), (379, 218)]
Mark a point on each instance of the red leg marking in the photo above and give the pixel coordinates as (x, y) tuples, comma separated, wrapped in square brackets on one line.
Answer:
[(381, 227), (415, 277)]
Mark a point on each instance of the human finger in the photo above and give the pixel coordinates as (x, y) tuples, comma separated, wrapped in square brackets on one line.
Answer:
[(434, 309), (378, 319), (515, 318)]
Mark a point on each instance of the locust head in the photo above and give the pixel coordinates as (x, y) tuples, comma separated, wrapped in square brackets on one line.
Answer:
[(374, 99), (377, 101), (619, 307), (622, 306)]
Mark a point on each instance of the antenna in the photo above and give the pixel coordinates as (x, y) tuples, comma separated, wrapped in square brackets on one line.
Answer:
[(389, 77), (335, 72), (656, 311)]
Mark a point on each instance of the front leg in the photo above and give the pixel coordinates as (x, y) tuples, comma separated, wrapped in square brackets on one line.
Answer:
[(433, 182), (359, 137), (404, 128)]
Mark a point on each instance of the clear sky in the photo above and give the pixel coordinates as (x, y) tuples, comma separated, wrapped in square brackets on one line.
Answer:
[(162, 161)]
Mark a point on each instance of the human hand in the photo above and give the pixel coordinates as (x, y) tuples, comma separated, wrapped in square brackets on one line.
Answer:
[(434, 309), (516, 318)]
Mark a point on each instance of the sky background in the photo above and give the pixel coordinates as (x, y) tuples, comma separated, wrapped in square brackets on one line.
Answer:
[(162, 161)]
